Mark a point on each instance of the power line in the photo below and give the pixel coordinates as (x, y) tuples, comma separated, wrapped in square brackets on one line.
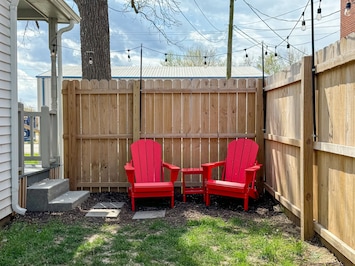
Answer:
[(213, 26), (277, 17), (283, 39), (203, 36)]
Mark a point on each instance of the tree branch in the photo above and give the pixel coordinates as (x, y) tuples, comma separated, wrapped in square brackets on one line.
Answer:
[(134, 6)]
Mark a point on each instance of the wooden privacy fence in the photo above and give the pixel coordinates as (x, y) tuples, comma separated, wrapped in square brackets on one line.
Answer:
[(194, 120), (315, 180)]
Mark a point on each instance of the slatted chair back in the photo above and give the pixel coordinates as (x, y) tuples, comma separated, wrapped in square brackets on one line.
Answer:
[(147, 161), (241, 154)]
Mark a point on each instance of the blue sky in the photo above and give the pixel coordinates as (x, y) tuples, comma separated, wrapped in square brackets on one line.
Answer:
[(201, 23)]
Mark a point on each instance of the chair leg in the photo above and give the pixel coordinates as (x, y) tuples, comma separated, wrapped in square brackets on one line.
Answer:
[(133, 204), (208, 199), (172, 202), (246, 203)]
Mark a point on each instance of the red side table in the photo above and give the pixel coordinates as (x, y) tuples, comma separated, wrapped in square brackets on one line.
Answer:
[(192, 190)]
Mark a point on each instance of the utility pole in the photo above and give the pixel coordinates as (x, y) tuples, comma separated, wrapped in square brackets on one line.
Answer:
[(230, 39)]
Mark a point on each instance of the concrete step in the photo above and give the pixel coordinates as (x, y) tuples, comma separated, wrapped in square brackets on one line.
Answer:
[(48, 194), (68, 200)]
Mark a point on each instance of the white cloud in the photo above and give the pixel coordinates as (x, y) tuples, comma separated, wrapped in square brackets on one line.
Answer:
[(71, 52), (27, 89)]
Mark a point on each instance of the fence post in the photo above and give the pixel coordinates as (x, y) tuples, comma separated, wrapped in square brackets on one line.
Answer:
[(136, 111), (44, 137), (259, 133), (72, 158), (306, 151)]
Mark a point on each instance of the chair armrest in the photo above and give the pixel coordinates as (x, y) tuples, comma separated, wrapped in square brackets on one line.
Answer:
[(171, 166), (214, 164), (251, 173), (207, 168), (129, 172), (254, 168), (174, 171)]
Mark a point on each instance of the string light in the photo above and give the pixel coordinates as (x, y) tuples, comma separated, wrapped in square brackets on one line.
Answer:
[(90, 54), (205, 63), (166, 58), (303, 27), (288, 44), (347, 11), (246, 54), (129, 56), (266, 50), (53, 50), (275, 51), (319, 11)]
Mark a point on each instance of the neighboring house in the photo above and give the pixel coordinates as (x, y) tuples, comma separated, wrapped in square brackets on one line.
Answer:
[(347, 22), (149, 72), (54, 12)]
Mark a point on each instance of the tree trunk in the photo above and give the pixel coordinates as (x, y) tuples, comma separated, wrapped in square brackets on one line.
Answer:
[(95, 39)]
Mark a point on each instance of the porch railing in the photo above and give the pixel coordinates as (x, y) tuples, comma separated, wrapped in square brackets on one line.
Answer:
[(41, 143)]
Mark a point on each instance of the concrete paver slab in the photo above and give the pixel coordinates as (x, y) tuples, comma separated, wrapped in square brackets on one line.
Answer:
[(108, 213), (109, 205), (149, 214)]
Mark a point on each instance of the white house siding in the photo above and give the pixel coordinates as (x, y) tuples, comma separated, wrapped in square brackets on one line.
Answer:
[(5, 110)]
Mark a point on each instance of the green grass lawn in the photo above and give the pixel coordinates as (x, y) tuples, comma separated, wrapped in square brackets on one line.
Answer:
[(206, 241), (31, 162)]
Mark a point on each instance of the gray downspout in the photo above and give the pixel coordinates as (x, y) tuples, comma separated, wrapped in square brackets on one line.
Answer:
[(14, 111), (59, 96)]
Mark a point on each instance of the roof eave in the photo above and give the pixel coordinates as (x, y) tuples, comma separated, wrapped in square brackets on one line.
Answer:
[(63, 7), (39, 12)]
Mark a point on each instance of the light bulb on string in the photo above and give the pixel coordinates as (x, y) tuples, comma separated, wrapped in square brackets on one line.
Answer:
[(275, 51), (303, 27), (288, 44), (91, 59), (53, 50), (166, 58), (266, 50), (319, 12), (129, 56), (347, 11), (246, 54)]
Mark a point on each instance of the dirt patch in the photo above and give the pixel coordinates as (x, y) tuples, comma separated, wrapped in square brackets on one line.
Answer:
[(264, 208)]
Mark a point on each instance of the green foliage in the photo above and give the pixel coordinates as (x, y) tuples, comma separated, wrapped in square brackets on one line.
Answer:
[(272, 64), (194, 56)]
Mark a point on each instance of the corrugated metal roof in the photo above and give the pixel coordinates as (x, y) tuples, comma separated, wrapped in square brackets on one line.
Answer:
[(161, 72)]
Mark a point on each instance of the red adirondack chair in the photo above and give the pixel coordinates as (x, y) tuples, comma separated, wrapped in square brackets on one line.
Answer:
[(238, 175), (145, 172)]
